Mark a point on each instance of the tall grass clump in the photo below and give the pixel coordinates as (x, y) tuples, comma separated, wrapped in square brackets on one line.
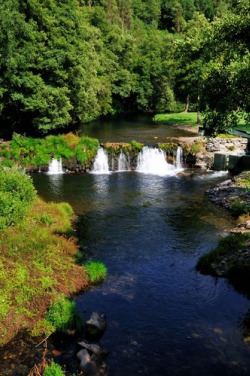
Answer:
[(96, 271), (63, 314), (136, 145), (53, 370), (16, 195)]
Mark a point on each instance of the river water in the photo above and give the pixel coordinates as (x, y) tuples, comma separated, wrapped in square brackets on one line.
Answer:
[(164, 318), (126, 128)]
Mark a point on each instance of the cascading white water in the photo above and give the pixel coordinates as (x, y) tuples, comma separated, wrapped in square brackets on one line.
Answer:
[(123, 162), (55, 167), (179, 155), (153, 161), (101, 164)]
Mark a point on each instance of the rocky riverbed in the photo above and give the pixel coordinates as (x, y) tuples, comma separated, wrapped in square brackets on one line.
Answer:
[(231, 258)]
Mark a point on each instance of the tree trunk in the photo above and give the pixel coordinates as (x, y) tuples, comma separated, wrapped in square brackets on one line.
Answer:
[(198, 117), (198, 111), (178, 22), (187, 104)]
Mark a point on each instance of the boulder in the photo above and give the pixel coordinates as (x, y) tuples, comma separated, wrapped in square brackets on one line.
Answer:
[(91, 365), (94, 348), (96, 325)]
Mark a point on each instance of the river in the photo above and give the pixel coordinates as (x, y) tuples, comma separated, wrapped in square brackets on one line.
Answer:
[(164, 318)]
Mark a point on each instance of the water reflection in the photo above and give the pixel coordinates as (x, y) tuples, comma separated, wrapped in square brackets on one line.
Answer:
[(55, 183)]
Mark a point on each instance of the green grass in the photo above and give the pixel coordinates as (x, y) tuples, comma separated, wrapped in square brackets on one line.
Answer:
[(53, 370), (63, 314), (37, 264), (96, 271), (37, 152), (182, 118)]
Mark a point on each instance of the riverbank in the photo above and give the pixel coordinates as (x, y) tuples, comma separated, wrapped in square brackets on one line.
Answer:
[(231, 258), (38, 262)]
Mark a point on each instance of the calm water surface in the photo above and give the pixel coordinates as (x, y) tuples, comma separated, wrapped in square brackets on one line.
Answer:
[(132, 127), (164, 318)]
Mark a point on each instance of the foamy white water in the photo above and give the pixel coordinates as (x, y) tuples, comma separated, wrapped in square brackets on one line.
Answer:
[(153, 161), (123, 162), (55, 167), (101, 164), (179, 156)]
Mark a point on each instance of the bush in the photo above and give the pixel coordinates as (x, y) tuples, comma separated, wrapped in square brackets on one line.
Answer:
[(63, 314), (97, 271), (16, 194), (136, 145), (53, 370), (219, 122), (239, 208)]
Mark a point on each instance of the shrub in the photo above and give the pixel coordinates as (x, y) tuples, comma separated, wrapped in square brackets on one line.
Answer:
[(63, 314), (97, 271), (136, 145), (16, 194), (53, 370), (239, 208)]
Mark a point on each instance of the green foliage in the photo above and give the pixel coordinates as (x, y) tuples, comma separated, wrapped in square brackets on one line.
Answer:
[(53, 370), (49, 256), (239, 208), (136, 145), (16, 195), (213, 67), (65, 63), (97, 271), (38, 152), (63, 314)]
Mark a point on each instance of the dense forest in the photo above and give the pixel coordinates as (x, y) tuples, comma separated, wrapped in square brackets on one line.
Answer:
[(67, 62)]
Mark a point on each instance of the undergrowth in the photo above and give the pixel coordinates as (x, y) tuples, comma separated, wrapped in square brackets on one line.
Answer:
[(63, 314), (96, 271), (37, 263), (53, 370), (37, 152)]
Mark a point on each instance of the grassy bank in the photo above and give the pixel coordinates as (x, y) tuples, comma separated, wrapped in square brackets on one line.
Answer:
[(37, 152), (181, 118), (37, 262), (38, 254)]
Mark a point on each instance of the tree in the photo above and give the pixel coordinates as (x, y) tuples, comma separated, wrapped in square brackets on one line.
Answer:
[(49, 65)]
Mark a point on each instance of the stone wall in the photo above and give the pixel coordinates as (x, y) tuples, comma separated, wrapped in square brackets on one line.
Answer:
[(227, 146)]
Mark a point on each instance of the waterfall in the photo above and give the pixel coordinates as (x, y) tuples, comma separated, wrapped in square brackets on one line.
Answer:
[(153, 161), (123, 162), (55, 167), (101, 164), (179, 154)]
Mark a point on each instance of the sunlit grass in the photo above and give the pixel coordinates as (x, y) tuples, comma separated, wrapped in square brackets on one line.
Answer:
[(36, 264), (185, 118)]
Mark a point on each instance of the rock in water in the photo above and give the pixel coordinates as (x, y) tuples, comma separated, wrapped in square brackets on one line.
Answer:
[(91, 365), (96, 325), (94, 348)]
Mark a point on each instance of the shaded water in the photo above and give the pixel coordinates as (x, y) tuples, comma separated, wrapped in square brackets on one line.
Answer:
[(132, 127), (164, 318)]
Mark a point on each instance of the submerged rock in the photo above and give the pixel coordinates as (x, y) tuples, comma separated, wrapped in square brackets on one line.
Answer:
[(94, 348), (91, 365), (96, 325)]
